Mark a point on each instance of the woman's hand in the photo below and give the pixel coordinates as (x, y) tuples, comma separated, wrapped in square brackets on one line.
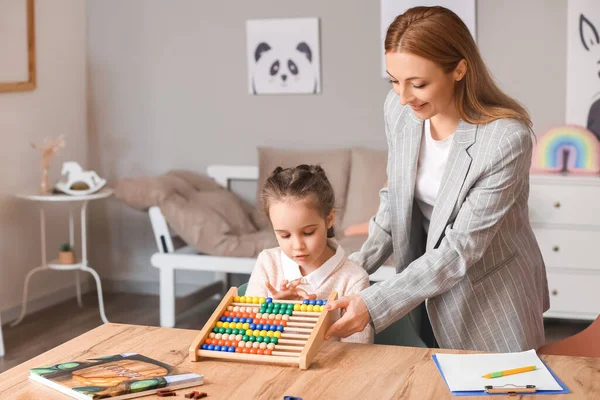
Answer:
[(354, 320), (290, 291)]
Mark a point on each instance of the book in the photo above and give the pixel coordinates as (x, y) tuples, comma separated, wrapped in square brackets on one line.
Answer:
[(464, 373), (120, 376)]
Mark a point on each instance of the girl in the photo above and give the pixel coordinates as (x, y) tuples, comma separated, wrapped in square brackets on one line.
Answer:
[(300, 204)]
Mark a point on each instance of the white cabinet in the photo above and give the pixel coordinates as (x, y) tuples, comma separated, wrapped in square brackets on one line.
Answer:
[(565, 215)]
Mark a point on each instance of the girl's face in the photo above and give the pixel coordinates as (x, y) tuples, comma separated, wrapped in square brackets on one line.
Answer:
[(422, 84), (301, 231)]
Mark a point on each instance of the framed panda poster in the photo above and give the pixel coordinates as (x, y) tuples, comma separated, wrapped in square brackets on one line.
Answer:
[(283, 56)]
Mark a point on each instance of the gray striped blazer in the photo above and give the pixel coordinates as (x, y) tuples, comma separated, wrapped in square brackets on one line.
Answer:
[(479, 270)]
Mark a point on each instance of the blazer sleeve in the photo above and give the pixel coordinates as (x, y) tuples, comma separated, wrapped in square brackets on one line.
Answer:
[(490, 199), (378, 246)]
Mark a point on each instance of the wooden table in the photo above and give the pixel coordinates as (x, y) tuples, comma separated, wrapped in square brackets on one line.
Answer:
[(340, 370)]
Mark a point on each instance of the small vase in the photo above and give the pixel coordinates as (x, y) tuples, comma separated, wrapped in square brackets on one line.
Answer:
[(66, 257), (44, 182)]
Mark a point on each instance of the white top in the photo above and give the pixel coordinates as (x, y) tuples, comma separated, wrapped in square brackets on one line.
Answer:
[(433, 156), (102, 193), (291, 270)]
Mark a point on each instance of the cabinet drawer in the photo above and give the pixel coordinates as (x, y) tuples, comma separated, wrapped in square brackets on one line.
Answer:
[(564, 248), (574, 204), (574, 295)]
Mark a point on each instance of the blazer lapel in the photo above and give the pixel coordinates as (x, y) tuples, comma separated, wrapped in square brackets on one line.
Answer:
[(403, 174), (456, 170), (412, 141)]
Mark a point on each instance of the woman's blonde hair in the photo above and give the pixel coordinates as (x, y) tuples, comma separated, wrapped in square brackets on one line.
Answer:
[(439, 35)]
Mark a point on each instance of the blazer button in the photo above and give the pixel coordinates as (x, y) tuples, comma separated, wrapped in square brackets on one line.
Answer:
[(554, 292), (557, 204), (555, 249)]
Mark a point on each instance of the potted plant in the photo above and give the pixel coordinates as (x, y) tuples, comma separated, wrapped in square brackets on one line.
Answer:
[(66, 255)]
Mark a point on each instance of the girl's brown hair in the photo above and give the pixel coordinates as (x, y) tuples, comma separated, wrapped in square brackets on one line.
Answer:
[(301, 182), (439, 35)]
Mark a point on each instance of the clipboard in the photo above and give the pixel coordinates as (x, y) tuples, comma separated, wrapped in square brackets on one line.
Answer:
[(505, 392)]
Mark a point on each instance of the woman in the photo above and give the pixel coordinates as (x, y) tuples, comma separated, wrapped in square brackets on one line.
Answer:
[(455, 213)]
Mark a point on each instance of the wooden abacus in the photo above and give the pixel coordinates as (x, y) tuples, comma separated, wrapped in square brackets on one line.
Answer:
[(293, 336)]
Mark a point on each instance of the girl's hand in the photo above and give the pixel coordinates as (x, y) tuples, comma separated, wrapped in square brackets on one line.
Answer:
[(354, 320), (290, 291)]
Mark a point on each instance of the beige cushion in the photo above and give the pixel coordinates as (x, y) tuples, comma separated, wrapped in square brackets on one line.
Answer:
[(195, 180), (357, 229), (336, 164), (352, 244), (206, 216), (142, 193), (367, 177), (214, 222)]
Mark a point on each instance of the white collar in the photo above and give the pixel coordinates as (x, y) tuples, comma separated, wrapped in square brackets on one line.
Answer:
[(291, 270)]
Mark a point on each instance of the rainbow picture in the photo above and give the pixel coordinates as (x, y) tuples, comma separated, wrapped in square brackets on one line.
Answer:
[(567, 148)]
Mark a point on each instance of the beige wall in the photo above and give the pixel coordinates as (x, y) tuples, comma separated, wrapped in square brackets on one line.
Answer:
[(167, 89), (57, 106)]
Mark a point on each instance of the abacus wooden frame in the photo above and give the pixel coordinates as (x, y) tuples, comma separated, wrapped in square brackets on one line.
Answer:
[(309, 351)]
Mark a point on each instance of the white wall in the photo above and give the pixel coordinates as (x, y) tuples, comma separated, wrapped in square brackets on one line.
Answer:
[(167, 89), (57, 106)]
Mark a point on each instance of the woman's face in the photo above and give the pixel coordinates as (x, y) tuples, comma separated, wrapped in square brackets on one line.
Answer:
[(422, 84)]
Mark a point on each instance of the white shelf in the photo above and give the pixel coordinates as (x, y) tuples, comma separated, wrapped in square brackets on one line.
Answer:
[(562, 179), (101, 194), (54, 264)]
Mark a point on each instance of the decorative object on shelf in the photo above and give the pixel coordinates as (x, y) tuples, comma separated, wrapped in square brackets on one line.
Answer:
[(583, 49), (66, 255), (78, 181), (283, 56), (48, 148), (567, 149)]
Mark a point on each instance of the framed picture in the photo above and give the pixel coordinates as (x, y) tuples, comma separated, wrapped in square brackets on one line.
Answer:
[(17, 45), (390, 9), (583, 65), (283, 56)]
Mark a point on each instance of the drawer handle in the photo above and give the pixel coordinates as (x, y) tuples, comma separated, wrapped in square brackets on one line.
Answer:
[(557, 204), (554, 292), (555, 249)]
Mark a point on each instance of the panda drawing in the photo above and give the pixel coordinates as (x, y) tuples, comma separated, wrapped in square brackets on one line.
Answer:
[(283, 70)]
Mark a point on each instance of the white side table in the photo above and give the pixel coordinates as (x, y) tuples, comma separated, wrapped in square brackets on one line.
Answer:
[(82, 265)]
